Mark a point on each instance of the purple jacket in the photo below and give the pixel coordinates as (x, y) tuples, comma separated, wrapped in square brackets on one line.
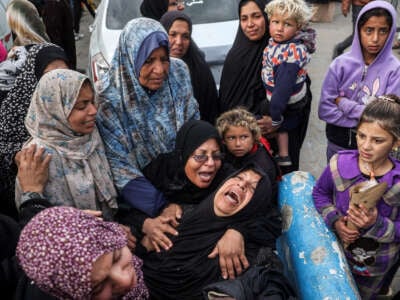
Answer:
[(331, 199), (350, 78)]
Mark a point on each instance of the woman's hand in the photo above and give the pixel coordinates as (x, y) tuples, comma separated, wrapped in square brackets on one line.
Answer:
[(174, 212), (95, 213), (347, 235), (130, 237), (155, 230), (361, 216), (33, 169), (265, 124), (147, 244), (231, 251)]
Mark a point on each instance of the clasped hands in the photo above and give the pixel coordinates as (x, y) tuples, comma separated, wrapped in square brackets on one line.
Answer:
[(361, 217)]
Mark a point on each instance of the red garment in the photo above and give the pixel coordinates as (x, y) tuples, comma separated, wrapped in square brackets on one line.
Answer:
[(3, 52)]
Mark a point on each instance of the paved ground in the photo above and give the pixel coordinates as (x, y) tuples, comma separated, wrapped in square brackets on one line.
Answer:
[(328, 34)]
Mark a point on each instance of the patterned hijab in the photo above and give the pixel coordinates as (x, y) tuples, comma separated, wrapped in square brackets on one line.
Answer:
[(58, 247), (79, 172), (136, 125)]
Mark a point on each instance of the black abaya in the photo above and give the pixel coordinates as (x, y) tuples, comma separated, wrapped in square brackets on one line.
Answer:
[(241, 83)]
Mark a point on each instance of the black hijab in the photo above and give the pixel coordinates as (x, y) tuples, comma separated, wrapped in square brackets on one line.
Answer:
[(182, 271), (241, 83), (154, 8), (204, 88), (166, 172)]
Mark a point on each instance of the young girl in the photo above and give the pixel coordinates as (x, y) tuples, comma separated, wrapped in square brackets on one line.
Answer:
[(369, 69), (373, 248)]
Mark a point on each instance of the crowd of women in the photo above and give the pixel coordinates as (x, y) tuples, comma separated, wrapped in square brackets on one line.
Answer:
[(130, 191)]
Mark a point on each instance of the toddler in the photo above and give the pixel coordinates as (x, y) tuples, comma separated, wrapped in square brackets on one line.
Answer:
[(284, 71)]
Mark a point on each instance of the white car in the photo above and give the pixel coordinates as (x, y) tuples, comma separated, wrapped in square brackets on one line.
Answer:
[(5, 32), (215, 23)]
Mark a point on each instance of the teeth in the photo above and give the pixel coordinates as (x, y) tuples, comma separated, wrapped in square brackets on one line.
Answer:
[(205, 176), (233, 197)]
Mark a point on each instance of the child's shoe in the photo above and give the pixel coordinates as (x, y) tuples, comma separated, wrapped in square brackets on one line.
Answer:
[(283, 161)]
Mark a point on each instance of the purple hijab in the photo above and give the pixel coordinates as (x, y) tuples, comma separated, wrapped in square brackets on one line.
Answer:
[(58, 247)]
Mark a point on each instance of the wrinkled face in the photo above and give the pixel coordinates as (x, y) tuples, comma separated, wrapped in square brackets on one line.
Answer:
[(235, 193), (204, 163), (374, 143), (155, 69), (176, 5), (238, 140), (373, 36), (282, 28), (82, 118), (179, 38), (252, 21), (55, 64), (113, 275)]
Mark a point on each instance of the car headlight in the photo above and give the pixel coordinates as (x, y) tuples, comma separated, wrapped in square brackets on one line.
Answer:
[(99, 67)]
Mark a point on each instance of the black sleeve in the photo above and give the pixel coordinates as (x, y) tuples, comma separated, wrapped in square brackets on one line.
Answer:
[(133, 218), (30, 208)]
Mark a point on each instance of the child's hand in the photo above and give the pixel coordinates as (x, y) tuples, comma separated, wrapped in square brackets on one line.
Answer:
[(347, 235), (361, 216)]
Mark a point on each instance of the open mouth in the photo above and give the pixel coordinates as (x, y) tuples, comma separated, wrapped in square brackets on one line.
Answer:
[(233, 197), (206, 176)]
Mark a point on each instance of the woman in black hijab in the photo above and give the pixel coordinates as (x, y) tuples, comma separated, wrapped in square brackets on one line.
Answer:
[(171, 172), (41, 58), (182, 271), (203, 83), (241, 83), (154, 9)]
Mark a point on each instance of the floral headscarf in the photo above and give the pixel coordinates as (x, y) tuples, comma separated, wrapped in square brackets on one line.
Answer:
[(137, 125), (79, 174), (58, 247)]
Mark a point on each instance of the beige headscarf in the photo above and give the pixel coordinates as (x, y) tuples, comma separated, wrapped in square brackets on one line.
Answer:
[(79, 173)]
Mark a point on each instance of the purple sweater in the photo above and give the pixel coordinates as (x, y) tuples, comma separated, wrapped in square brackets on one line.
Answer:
[(331, 199), (348, 77)]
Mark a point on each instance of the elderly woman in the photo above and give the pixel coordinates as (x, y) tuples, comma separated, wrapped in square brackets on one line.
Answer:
[(144, 99), (61, 118), (72, 255), (179, 28)]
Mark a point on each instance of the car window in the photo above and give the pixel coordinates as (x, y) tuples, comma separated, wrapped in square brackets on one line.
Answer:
[(200, 11), (120, 12), (211, 11)]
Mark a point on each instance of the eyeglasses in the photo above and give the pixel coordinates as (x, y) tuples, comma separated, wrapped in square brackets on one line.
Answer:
[(202, 158)]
